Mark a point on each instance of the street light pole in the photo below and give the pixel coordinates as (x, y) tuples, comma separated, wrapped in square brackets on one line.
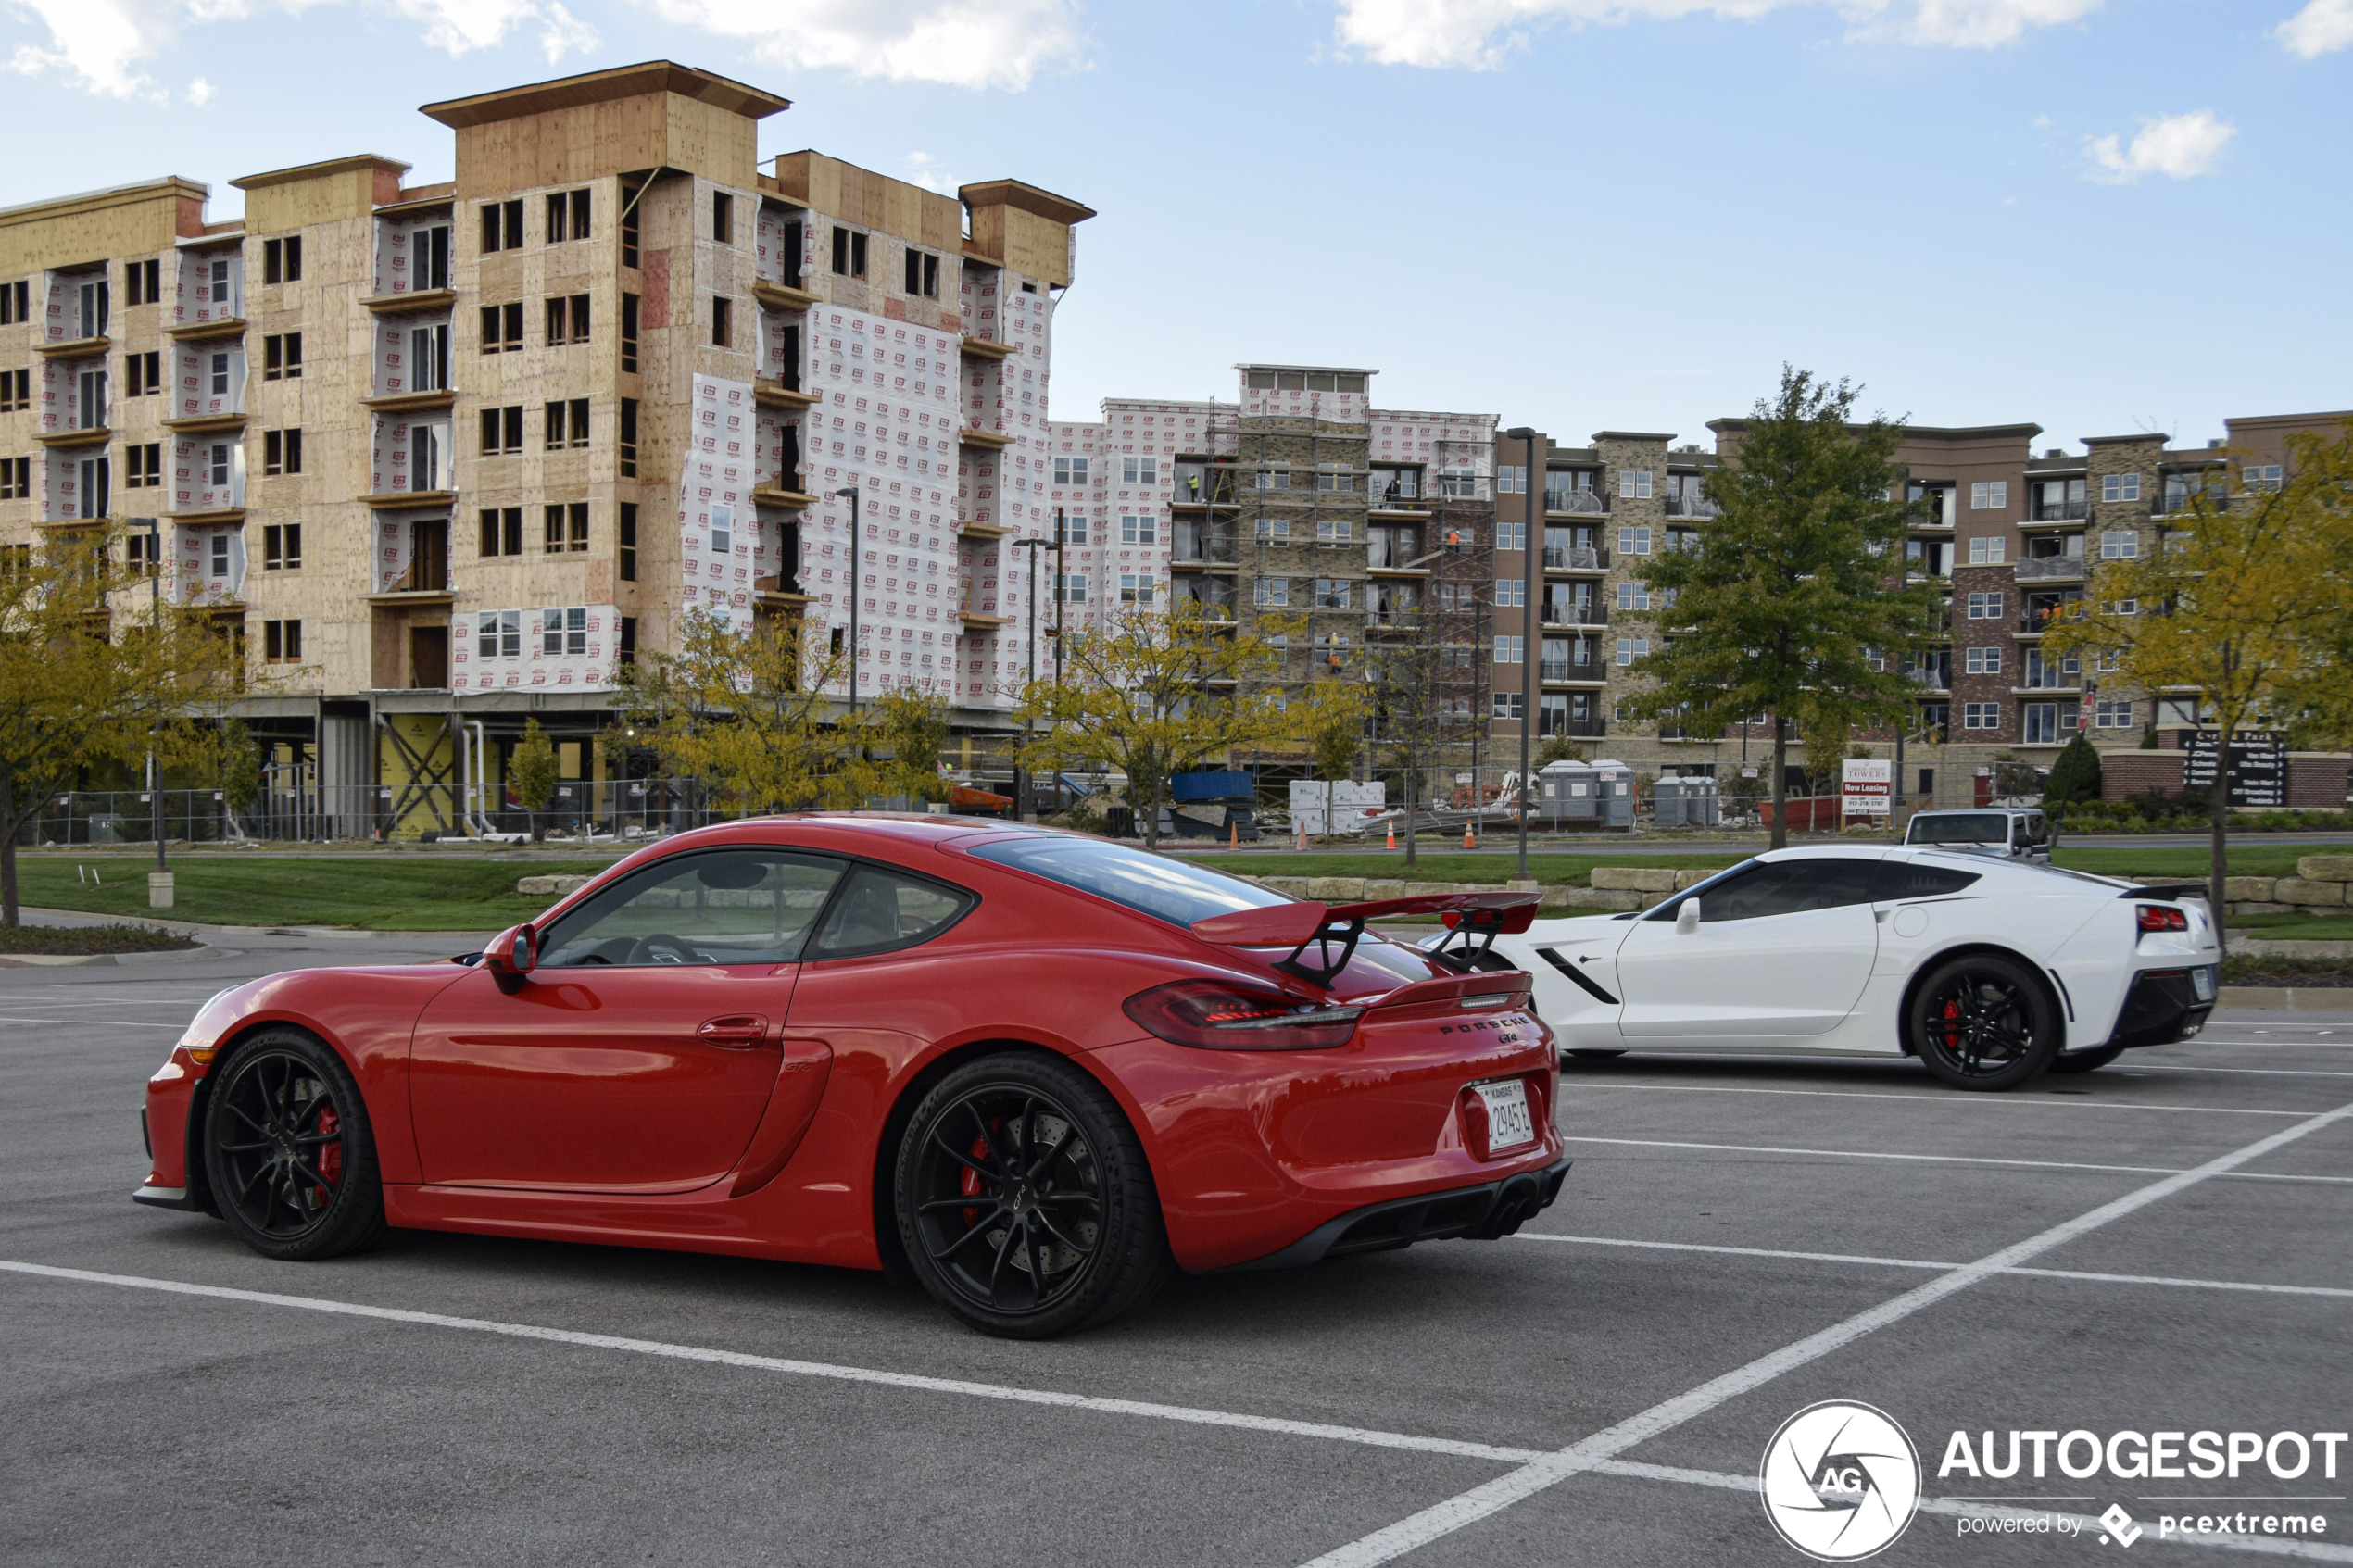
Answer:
[(1533, 586), (857, 571), (154, 582), (1021, 772)]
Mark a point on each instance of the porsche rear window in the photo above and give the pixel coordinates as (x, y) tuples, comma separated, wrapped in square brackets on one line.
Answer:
[(1175, 891)]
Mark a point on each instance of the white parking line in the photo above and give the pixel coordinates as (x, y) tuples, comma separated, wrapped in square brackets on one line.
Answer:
[(2269, 1072), (1184, 1413), (1946, 1158), (2254, 1287), (1951, 1099), (1467, 1508)]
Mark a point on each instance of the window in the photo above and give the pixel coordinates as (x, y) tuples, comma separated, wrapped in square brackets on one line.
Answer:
[(502, 430), (16, 478), (138, 554), (567, 319), (849, 253), (1070, 529), (1981, 661), (567, 530), (1333, 593), (218, 367), (1275, 529), (1511, 650), (142, 466), (1071, 586), (1140, 471), (429, 357), (281, 261), (567, 216), (281, 451), (1634, 540), (431, 248), (1272, 479), (143, 281), (501, 534), (629, 230), (563, 632), (499, 633), (1781, 887), (15, 303), (1631, 649), (1986, 552), (1137, 529), (1634, 485), (1135, 588), (16, 390), (1510, 536), (567, 423), (721, 322), (2112, 713), (627, 532), (218, 466), (629, 309), (1511, 705), (282, 641), (2044, 721), (625, 645), (142, 373), (281, 356), (667, 914), (2261, 476), (628, 443), (1511, 593), (923, 273), (2120, 487), (502, 328), (1511, 480), (1275, 591), (1980, 716), (1985, 607), (282, 546), (1633, 595), (1989, 495), (2120, 544), (502, 225), (1070, 470)]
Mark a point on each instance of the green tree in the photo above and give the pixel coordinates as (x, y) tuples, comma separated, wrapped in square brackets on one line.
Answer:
[(531, 771), (85, 686), (1150, 695), (1328, 716), (742, 710), (913, 728), (2075, 776), (2245, 602), (1793, 604)]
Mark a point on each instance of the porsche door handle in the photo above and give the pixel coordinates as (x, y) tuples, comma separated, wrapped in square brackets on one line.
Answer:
[(738, 1031)]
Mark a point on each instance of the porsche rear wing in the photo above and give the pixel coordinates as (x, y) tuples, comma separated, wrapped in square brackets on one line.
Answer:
[(1333, 930)]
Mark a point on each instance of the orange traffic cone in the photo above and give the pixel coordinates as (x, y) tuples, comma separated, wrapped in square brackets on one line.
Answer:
[(1233, 835), (1468, 842), (1303, 836), (1393, 835)]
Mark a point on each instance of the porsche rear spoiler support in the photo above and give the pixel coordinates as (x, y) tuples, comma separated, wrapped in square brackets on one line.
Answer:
[(1333, 930)]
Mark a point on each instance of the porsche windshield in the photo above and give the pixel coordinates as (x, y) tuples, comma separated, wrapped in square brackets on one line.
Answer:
[(1175, 891)]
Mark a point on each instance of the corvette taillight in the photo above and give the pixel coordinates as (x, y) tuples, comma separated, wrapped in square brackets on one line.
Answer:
[(2163, 916), (1221, 1015)]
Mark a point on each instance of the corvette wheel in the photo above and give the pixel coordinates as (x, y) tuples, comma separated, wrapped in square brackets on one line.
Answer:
[(1023, 1201), (1983, 1022), (2087, 1061), (288, 1151)]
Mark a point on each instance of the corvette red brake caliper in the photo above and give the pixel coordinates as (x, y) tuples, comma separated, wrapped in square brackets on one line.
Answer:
[(1952, 1032)]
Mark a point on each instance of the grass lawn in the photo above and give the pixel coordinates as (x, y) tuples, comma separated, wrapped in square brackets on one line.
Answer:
[(379, 892), (2191, 862), (2297, 928)]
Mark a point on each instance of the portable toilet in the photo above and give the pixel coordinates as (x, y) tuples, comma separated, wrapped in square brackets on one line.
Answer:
[(1703, 803), (1565, 792), (1668, 802), (1613, 794)]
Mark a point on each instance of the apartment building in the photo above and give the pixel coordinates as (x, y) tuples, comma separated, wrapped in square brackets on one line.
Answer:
[(2013, 535), (447, 457), (1368, 532)]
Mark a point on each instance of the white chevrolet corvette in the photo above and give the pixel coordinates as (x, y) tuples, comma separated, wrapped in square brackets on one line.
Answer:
[(1988, 970)]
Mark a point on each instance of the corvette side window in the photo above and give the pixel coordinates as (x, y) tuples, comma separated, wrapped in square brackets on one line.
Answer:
[(1903, 879), (880, 910), (717, 907), (1786, 887)]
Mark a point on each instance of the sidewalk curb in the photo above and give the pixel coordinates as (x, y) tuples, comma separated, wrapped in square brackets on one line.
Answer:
[(191, 928)]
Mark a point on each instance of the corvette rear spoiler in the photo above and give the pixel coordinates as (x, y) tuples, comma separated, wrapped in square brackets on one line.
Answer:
[(1336, 928), (2169, 890)]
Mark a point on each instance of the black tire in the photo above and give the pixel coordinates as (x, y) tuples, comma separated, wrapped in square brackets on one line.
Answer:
[(1982, 1022), (2087, 1061), (1019, 1245), (289, 1149), (1595, 1055)]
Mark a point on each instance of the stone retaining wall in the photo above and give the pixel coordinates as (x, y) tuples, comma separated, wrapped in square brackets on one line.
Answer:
[(2322, 885)]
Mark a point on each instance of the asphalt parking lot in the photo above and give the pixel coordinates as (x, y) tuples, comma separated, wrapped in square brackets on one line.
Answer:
[(2160, 1245)]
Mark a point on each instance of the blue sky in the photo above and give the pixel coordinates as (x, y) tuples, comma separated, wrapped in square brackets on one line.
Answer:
[(2099, 215)]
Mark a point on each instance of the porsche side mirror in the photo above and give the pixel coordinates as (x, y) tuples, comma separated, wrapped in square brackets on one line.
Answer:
[(512, 954), (1687, 916)]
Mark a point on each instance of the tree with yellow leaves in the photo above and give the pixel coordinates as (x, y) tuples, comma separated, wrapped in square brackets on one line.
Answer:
[(2245, 603), (1328, 716)]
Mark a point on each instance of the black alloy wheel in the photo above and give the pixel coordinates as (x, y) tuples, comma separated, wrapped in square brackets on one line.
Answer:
[(1983, 1022), (1023, 1201), (288, 1151)]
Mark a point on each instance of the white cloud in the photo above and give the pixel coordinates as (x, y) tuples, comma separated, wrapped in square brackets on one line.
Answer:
[(1479, 35), (959, 43), (924, 170), (100, 45), (2180, 147), (2320, 27)]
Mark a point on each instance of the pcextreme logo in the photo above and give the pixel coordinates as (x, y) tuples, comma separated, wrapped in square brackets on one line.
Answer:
[(1839, 1481)]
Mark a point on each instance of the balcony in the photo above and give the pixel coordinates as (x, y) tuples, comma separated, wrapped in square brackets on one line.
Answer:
[(1577, 502), (2179, 499), (1202, 484), (1692, 506), (2059, 511), (1575, 728), (1576, 612), (1565, 672), (2035, 619), (2051, 569), (1576, 558)]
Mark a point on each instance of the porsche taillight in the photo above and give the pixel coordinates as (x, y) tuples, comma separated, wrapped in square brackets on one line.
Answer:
[(2163, 916), (1223, 1015)]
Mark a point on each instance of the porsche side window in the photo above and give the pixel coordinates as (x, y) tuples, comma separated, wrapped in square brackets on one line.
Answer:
[(880, 910), (1787, 887), (719, 907), (1902, 879)]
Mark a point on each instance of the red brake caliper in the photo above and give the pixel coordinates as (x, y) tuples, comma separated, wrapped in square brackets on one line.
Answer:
[(330, 1154), (969, 1183), (1953, 1033)]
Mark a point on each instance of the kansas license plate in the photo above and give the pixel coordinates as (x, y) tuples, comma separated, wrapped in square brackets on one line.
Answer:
[(2202, 983), (1508, 1122)]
